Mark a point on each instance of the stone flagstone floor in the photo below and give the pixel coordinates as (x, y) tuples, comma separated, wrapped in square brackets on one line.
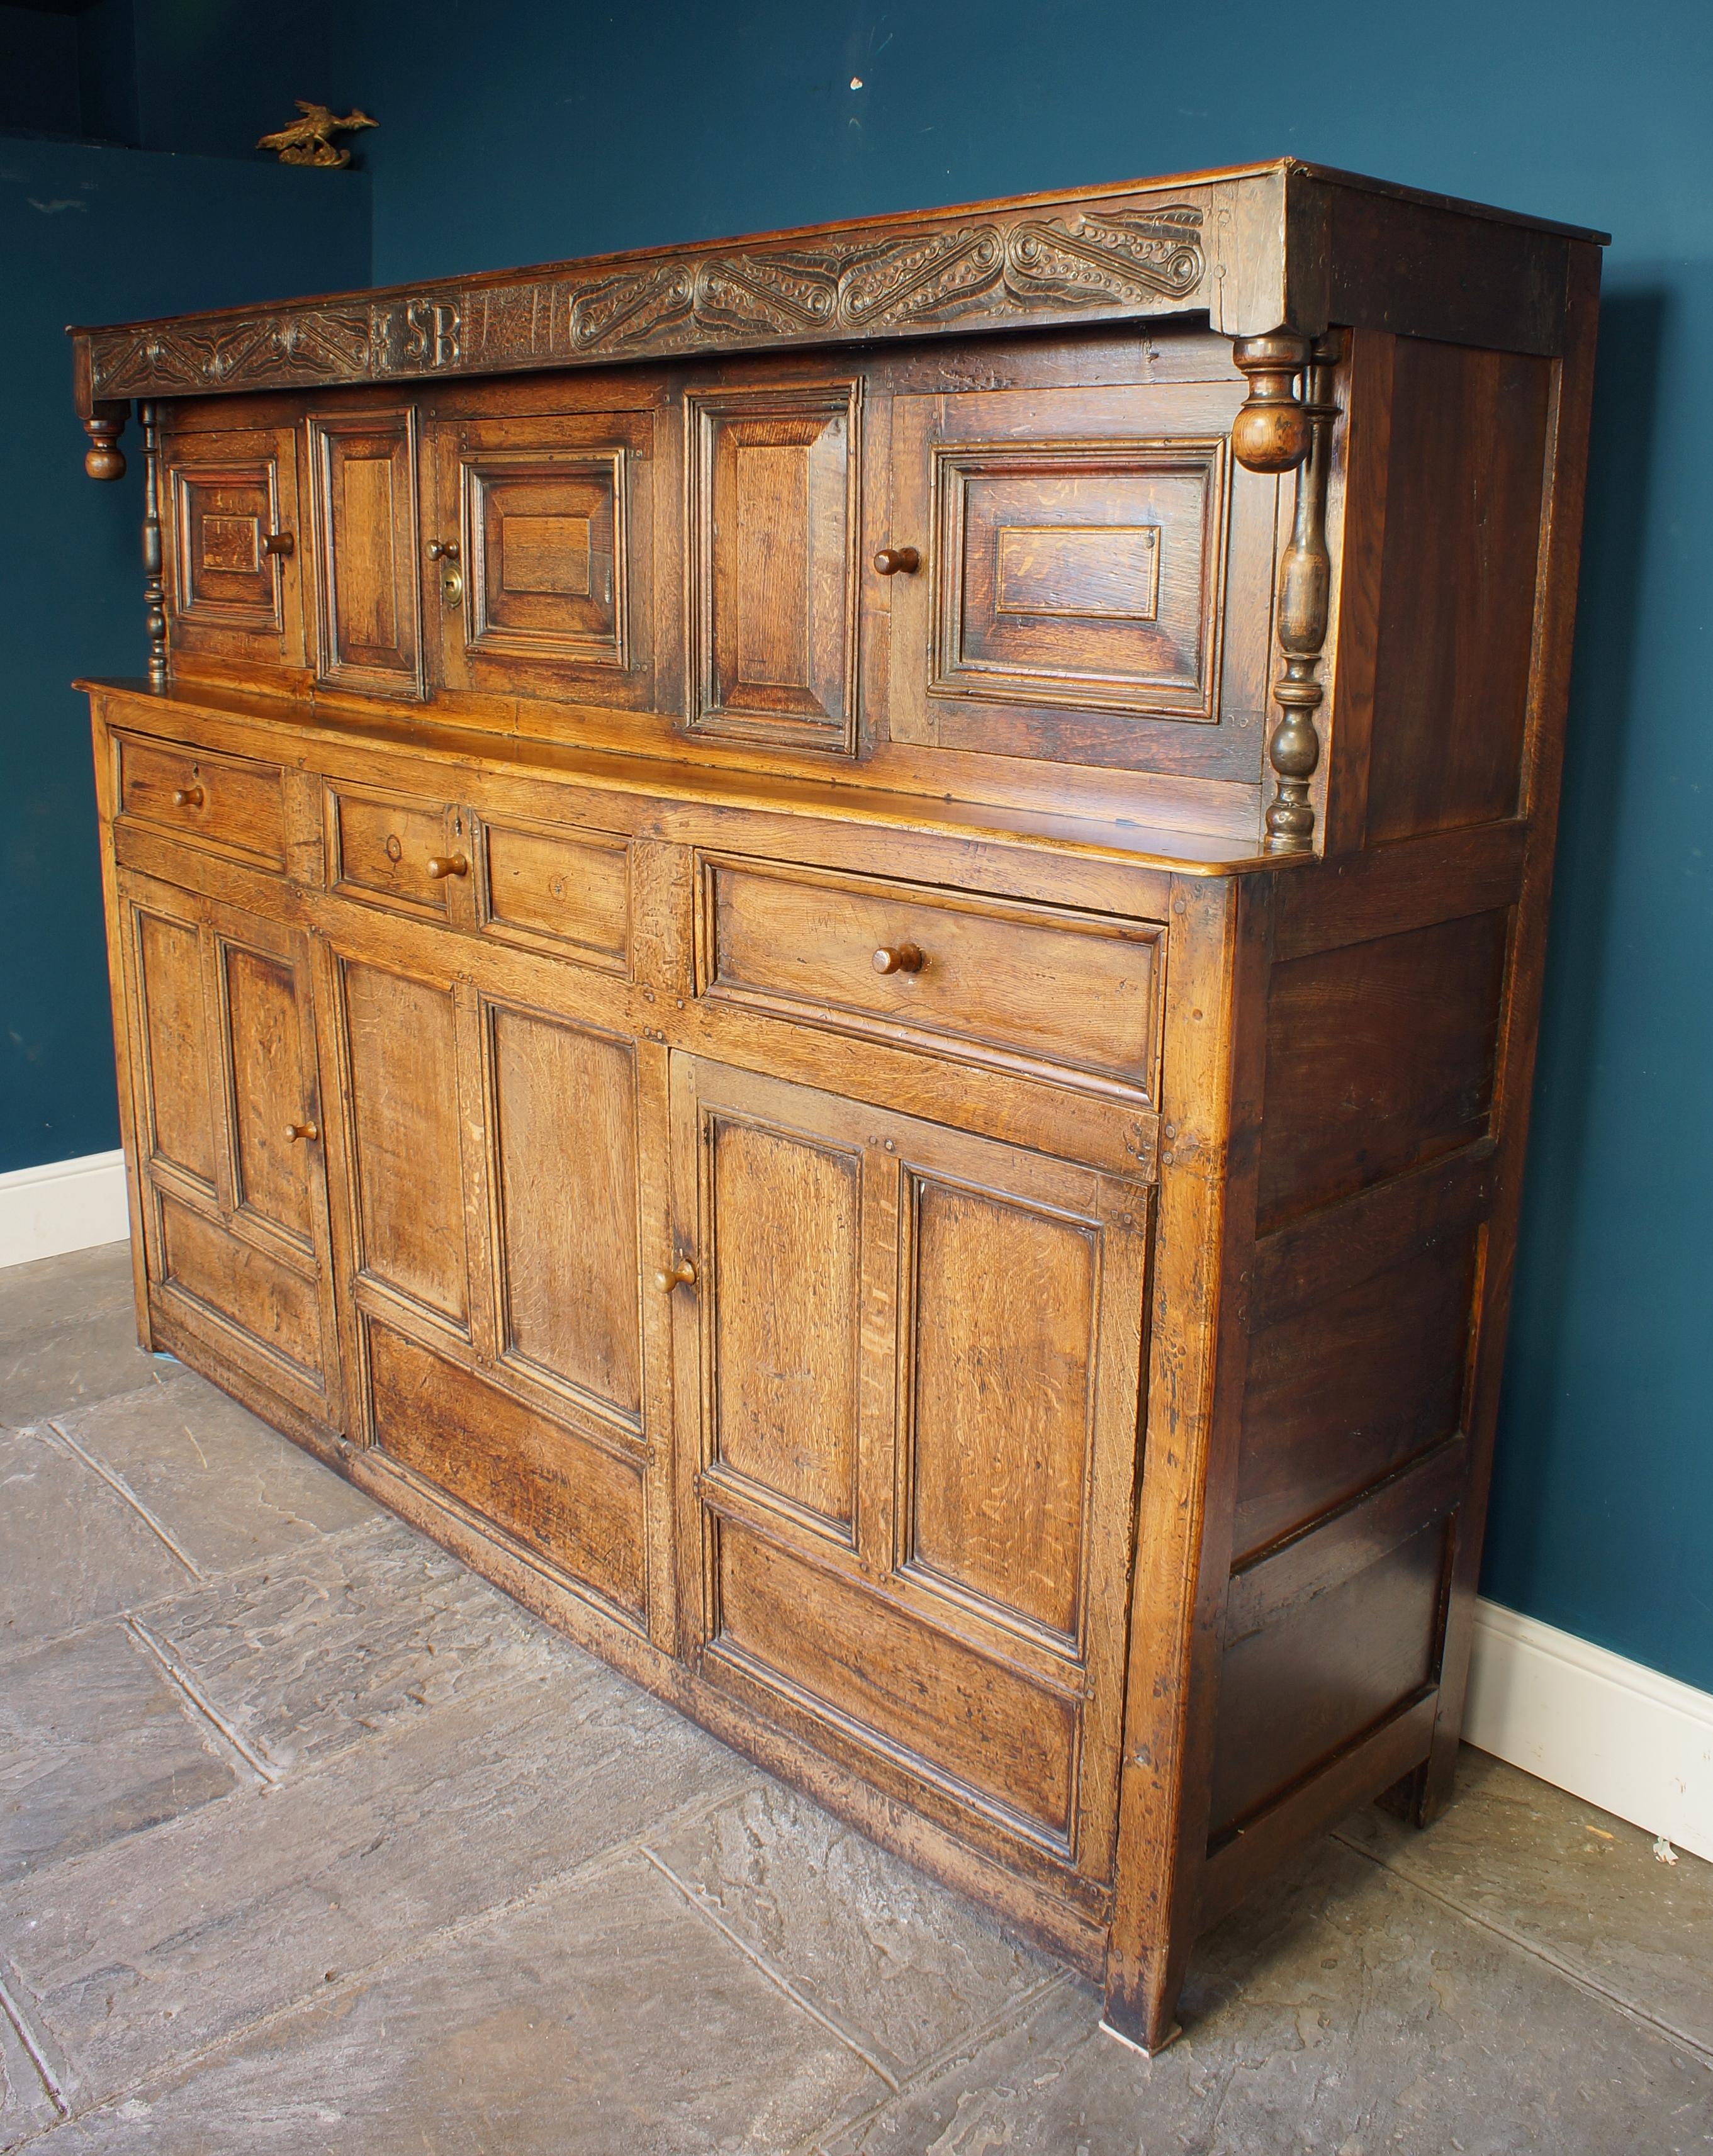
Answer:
[(310, 1840)]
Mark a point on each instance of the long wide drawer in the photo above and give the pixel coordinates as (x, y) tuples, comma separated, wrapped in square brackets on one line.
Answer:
[(1075, 995)]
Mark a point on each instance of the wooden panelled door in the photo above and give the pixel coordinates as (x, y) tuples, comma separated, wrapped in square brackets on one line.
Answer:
[(229, 1136), (907, 1362), (491, 1217), (541, 532)]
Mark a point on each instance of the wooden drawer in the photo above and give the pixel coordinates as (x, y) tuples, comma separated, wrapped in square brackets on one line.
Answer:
[(1067, 994), (394, 850), (563, 892), (213, 800)]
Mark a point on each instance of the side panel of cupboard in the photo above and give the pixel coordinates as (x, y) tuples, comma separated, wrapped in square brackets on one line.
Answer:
[(228, 1124), (907, 1362)]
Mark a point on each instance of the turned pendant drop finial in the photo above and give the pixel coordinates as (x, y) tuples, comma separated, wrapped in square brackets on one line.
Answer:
[(103, 459), (1271, 432)]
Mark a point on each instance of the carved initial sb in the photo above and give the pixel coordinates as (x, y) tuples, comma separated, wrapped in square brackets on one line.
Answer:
[(431, 333)]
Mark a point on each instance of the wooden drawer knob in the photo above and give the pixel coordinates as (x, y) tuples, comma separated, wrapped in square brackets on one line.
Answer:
[(294, 1130), (447, 864), (188, 797), (897, 561), (899, 958), (683, 1274), (278, 543)]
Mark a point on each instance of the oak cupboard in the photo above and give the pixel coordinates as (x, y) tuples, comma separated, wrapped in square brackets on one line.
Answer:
[(829, 945)]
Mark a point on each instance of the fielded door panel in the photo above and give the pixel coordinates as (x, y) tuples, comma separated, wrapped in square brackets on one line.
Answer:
[(771, 563), (362, 487), (229, 1135), (908, 1366), (235, 553), (541, 535), (491, 1212), (396, 1029)]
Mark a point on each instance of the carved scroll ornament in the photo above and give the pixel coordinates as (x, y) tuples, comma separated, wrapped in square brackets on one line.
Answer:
[(995, 271)]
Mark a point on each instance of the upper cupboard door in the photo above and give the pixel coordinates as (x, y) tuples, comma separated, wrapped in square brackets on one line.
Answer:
[(231, 527), (771, 563), (541, 534), (1091, 577), (363, 497)]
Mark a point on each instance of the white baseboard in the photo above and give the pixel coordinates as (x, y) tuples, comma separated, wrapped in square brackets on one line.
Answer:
[(62, 1205), (1610, 1731)]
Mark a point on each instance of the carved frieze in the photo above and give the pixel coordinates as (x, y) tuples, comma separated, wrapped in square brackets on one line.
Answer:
[(276, 349), (1106, 261)]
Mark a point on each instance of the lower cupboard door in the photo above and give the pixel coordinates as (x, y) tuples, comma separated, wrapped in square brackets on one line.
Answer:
[(910, 1360), (494, 1203)]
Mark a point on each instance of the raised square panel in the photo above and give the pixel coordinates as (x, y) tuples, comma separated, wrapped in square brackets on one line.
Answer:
[(363, 492), (1091, 573), (1083, 574), (544, 540), (772, 583)]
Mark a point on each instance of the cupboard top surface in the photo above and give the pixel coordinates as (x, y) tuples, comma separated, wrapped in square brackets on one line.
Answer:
[(1119, 837), (1255, 247)]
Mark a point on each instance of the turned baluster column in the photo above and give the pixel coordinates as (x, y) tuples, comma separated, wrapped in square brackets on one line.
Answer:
[(154, 585), (1276, 431)]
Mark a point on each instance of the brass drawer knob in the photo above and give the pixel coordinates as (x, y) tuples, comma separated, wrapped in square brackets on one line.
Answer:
[(897, 561), (443, 550), (446, 865), (295, 1131), (899, 958), (278, 543), (188, 797), (683, 1274)]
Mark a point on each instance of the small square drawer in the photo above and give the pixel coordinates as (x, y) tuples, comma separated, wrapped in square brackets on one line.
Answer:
[(218, 801), (1071, 996), (394, 850), (564, 892)]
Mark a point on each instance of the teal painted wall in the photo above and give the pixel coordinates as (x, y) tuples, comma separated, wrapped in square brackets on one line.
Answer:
[(99, 234), (517, 130)]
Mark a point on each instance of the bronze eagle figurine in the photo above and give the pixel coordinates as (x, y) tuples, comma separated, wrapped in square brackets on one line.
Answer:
[(310, 141)]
